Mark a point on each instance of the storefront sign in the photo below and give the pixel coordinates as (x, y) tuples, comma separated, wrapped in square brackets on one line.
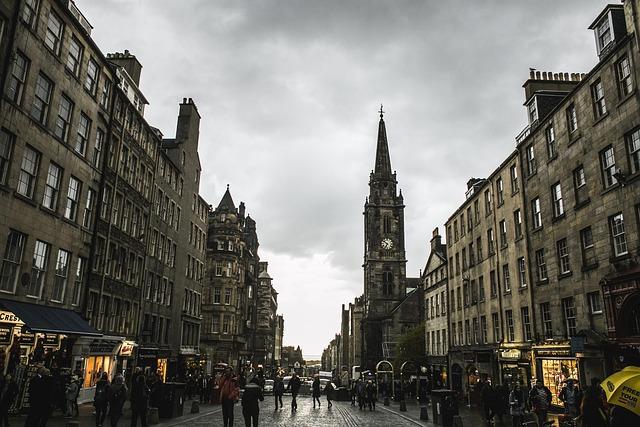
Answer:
[(9, 317), (100, 346), (126, 349), (153, 353), (27, 337), (469, 357), (554, 352), (5, 333), (577, 345), (50, 340), (511, 354)]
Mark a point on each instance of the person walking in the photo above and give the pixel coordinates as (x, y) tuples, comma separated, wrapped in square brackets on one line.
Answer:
[(370, 390), (250, 401), (101, 398), (517, 402), (571, 396), (328, 389), (315, 390), (229, 395), (139, 400), (540, 400), (8, 394), (278, 390), (70, 394), (592, 412), (361, 392), (41, 393), (488, 396), (203, 388), (294, 386), (117, 397)]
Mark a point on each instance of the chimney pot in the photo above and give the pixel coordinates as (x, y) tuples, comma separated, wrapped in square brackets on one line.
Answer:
[(556, 77), (537, 75), (184, 100), (566, 76), (190, 101), (532, 74)]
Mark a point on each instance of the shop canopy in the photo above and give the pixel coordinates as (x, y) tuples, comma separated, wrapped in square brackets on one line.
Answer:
[(54, 320)]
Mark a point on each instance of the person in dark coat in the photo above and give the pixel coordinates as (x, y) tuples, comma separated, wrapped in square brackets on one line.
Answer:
[(8, 394), (204, 388), (370, 390), (250, 398), (622, 417), (488, 395), (278, 390), (328, 390), (592, 413), (117, 398), (101, 398), (540, 401), (294, 386), (362, 394), (41, 394), (139, 400), (315, 390), (229, 395)]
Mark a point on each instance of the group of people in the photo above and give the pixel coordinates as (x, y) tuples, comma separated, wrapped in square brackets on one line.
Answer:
[(365, 393), (584, 409)]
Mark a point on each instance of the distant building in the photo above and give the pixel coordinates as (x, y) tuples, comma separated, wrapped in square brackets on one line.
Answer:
[(266, 323), (277, 347)]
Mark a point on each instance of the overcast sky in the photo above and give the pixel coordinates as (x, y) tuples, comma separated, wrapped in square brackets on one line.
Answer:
[(289, 92)]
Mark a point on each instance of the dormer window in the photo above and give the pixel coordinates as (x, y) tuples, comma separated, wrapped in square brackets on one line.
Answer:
[(608, 28), (603, 33), (533, 110)]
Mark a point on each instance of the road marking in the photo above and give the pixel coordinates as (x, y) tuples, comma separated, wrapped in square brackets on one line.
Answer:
[(215, 411), (347, 417), (411, 420)]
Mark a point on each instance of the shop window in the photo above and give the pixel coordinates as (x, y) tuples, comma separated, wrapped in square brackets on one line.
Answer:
[(554, 374), (94, 367)]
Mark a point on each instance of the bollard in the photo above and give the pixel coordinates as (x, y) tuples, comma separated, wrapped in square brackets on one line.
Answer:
[(386, 401), (403, 406), (424, 413), (152, 416), (195, 407)]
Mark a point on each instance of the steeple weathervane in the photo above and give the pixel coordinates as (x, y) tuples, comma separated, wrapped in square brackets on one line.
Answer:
[(381, 112)]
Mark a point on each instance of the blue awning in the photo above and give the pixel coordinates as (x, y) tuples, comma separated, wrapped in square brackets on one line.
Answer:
[(53, 320)]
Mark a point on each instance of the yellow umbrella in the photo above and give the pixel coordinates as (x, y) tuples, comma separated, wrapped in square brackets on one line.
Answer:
[(623, 388)]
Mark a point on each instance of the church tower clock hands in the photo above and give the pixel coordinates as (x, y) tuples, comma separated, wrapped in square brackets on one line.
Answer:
[(384, 254)]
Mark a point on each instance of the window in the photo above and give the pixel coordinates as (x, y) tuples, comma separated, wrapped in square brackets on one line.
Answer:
[(487, 202), (608, 164), (28, 172), (536, 214), (623, 72), (73, 196), (493, 282), (463, 229), (517, 223), (599, 105), (572, 119), (481, 288), (75, 56), (106, 93), (511, 331), (38, 269), (569, 311), (483, 329), (603, 34), (563, 256), (532, 166), (513, 172), (526, 323), (558, 204), (588, 250), (386, 228), (97, 148), (41, 99), (64, 118), (496, 327), (522, 272), (532, 110), (476, 210), (503, 233), (227, 296), (469, 220), (490, 241), (500, 191), (618, 239), (84, 125), (633, 148), (88, 208), (550, 136), (216, 295), (479, 248), (580, 184), (60, 277), (30, 13), (541, 266), (475, 330), (17, 78), (506, 279), (467, 332), (11, 261), (6, 150), (387, 283), (52, 187), (464, 258), (54, 32), (472, 257), (545, 313), (91, 82), (593, 299)]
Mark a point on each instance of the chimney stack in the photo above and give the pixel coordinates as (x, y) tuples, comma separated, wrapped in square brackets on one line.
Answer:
[(129, 62)]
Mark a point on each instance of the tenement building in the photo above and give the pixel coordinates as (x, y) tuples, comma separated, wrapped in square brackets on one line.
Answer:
[(390, 307), (580, 156), (266, 318), (436, 314)]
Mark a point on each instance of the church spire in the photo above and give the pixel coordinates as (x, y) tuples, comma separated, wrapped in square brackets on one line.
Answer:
[(383, 161), (226, 203)]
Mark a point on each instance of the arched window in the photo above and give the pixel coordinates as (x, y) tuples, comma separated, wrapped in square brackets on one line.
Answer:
[(387, 283), (386, 224)]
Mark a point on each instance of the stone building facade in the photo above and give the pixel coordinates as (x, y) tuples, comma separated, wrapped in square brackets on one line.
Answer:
[(266, 320), (279, 335)]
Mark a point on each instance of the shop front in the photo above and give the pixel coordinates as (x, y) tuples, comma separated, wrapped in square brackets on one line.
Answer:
[(515, 366), (554, 366), (437, 372), (470, 367), (154, 359)]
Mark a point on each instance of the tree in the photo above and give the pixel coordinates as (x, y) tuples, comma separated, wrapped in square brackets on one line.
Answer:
[(411, 346)]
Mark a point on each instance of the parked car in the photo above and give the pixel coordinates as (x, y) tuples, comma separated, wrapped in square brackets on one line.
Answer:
[(268, 387)]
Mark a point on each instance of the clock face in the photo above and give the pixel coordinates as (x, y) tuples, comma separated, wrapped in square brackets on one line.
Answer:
[(387, 243)]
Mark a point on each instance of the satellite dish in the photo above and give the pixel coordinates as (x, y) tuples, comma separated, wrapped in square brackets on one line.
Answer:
[(25, 279)]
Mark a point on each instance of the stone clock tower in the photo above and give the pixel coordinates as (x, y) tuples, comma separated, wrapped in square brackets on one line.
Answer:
[(385, 283)]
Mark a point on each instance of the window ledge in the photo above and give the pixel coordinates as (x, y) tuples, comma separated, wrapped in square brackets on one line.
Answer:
[(543, 282), (565, 275), (559, 217), (552, 158), (610, 188), (574, 136), (508, 292), (626, 98), (68, 221), (514, 192), (538, 229), (24, 199), (503, 247), (519, 238), (600, 118), (589, 267), (619, 258), (532, 174), (49, 211), (522, 288), (582, 204)]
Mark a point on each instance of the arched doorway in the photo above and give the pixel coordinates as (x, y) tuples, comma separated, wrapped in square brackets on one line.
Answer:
[(629, 318)]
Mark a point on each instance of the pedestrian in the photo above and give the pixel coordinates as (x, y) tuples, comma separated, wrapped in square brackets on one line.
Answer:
[(8, 394), (370, 390), (278, 390), (315, 390), (229, 395), (70, 394), (250, 401), (517, 402), (488, 397), (622, 417), (294, 386), (571, 396), (540, 400), (362, 397), (203, 386), (117, 397), (328, 389), (592, 413), (101, 398), (139, 399), (41, 390)]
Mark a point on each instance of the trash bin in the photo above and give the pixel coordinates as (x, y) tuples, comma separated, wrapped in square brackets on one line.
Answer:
[(444, 406), (172, 401)]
